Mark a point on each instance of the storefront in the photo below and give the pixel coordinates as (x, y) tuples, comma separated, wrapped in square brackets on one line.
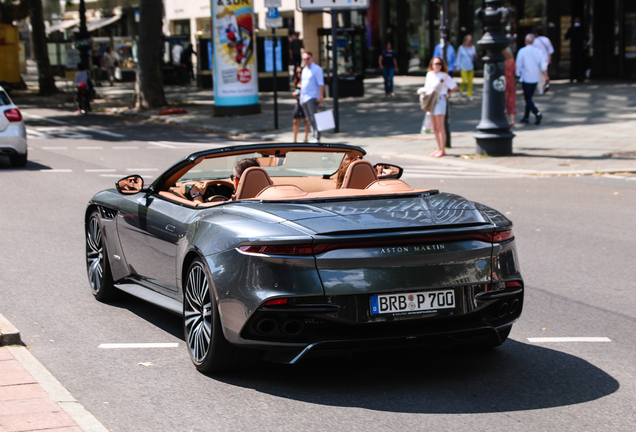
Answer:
[(412, 27)]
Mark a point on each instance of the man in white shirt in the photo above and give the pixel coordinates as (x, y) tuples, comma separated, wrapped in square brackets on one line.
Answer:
[(530, 66), (543, 43), (312, 86)]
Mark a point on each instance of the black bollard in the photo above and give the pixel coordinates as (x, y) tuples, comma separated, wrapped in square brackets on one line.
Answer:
[(494, 137)]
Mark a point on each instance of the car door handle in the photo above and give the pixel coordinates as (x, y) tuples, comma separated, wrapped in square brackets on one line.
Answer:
[(170, 228)]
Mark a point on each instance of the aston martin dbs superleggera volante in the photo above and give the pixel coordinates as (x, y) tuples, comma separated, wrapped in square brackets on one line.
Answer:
[(312, 250)]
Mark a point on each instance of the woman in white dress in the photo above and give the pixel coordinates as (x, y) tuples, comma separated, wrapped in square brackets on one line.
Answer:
[(438, 73)]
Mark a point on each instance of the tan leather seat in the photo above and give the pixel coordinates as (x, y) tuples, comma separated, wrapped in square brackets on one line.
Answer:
[(253, 180), (359, 175)]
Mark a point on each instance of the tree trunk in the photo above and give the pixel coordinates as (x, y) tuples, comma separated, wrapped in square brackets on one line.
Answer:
[(149, 86), (46, 79)]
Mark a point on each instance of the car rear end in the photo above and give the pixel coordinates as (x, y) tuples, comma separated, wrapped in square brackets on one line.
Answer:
[(399, 272), (13, 141)]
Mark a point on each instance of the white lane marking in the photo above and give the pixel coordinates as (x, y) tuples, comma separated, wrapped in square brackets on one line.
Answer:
[(57, 170), (569, 339), (160, 145), (462, 176), (631, 178), (91, 148), (125, 147), (112, 134), (100, 170), (54, 148), (142, 169), (35, 133), (137, 345), (35, 116), (112, 175)]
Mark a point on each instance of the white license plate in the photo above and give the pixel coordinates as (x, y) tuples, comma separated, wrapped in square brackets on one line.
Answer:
[(412, 302)]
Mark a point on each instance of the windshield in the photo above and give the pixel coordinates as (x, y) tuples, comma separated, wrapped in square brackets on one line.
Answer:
[(4, 99), (294, 164)]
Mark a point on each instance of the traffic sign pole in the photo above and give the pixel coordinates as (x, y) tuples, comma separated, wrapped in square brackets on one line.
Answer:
[(334, 74), (274, 63)]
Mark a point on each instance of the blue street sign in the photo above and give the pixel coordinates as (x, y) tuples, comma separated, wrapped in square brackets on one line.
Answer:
[(272, 13)]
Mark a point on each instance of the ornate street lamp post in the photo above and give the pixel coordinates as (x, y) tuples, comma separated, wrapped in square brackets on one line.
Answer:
[(494, 137), (83, 38)]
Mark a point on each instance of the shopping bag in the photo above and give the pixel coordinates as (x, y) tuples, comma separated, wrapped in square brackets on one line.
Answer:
[(324, 120)]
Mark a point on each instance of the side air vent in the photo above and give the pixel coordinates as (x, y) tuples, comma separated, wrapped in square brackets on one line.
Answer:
[(107, 213)]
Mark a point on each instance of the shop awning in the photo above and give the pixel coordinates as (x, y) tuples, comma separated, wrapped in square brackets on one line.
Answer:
[(97, 23), (101, 22), (62, 25)]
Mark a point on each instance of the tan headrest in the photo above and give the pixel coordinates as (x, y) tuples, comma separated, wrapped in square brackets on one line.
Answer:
[(359, 175), (253, 180)]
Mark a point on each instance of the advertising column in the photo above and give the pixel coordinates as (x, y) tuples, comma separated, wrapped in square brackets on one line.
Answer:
[(235, 74)]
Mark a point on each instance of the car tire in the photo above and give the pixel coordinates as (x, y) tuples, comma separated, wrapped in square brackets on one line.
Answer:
[(97, 265), (209, 351), (18, 160)]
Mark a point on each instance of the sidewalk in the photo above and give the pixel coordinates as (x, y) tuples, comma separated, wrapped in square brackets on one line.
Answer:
[(31, 399), (587, 128)]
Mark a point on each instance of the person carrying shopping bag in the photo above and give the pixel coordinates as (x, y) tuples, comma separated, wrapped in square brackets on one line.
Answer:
[(466, 56)]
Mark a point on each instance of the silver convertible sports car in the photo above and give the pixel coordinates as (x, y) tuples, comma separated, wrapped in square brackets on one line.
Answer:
[(309, 250)]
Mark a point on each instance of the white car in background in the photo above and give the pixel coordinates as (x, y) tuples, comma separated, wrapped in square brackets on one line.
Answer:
[(13, 141)]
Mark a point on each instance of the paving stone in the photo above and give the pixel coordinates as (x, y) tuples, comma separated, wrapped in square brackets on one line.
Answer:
[(12, 373), (21, 392), (36, 421)]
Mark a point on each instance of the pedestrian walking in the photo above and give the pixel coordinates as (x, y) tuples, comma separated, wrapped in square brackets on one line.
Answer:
[(312, 88), (576, 36), (438, 76), (450, 57), (296, 46), (545, 46), (110, 62), (511, 86), (466, 55), (529, 67), (96, 69), (388, 65), (186, 59), (298, 109)]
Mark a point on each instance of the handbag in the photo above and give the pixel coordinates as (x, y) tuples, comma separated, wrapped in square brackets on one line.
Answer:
[(428, 100)]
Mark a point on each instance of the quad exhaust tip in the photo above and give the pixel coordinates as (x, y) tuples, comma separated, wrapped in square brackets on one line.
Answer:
[(293, 327), (266, 326)]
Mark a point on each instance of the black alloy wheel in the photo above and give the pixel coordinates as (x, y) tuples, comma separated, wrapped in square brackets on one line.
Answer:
[(97, 264), (209, 350)]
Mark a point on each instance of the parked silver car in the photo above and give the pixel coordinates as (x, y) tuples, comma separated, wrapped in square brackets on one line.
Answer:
[(13, 141)]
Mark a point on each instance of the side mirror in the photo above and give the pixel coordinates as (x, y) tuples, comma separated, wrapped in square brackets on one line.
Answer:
[(130, 185), (388, 171)]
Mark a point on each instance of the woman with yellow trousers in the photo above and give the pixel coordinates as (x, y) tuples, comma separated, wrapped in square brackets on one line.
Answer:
[(466, 56)]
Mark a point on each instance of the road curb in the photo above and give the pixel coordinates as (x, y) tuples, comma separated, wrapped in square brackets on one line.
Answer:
[(9, 335)]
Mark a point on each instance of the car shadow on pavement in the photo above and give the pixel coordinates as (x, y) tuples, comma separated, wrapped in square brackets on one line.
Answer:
[(514, 377), (5, 166)]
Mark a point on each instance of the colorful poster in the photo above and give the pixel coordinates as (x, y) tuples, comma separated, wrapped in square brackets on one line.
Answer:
[(235, 74)]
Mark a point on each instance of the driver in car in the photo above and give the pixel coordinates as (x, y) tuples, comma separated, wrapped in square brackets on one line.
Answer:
[(198, 189)]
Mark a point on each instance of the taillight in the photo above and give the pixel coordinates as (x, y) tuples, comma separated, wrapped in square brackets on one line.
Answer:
[(513, 284), (276, 302), (278, 249), (13, 115), (501, 236)]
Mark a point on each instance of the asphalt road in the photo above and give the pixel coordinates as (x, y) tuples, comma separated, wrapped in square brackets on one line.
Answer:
[(575, 238)]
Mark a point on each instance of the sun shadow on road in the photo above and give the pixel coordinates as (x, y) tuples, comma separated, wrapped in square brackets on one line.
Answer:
[(514, 377)]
